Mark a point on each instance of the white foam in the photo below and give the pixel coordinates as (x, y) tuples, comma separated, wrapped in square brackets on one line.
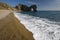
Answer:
[(42, 29)]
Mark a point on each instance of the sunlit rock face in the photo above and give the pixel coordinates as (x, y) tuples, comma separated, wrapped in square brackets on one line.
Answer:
[(26, 8)]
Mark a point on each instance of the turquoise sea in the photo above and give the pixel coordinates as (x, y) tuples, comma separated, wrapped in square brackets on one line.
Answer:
[(45, 25)]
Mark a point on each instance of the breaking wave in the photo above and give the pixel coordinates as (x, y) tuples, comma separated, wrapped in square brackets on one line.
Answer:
[(42, 29)]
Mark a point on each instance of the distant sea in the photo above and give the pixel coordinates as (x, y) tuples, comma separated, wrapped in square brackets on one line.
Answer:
[(45, 25)]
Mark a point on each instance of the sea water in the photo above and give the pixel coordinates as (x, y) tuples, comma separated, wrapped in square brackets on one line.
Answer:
[(45, 25)]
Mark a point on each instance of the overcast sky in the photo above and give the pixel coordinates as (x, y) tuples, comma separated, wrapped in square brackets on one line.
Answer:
[(41, 4)]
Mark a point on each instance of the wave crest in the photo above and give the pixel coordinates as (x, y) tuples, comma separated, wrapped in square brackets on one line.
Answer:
[(42, 29)]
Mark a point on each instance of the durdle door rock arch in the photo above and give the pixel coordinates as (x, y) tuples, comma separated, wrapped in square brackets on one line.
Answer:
[(26, 8), (34, 7)]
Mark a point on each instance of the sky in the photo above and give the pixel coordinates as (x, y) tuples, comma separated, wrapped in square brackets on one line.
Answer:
[(41, 4)]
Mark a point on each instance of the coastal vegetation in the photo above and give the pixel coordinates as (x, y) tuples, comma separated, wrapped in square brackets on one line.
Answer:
[(6, 6)]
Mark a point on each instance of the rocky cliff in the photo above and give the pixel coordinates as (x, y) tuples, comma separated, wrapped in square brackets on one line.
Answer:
[(26, 8)]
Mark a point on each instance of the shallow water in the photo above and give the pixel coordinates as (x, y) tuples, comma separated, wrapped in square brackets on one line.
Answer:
[(44, 25)]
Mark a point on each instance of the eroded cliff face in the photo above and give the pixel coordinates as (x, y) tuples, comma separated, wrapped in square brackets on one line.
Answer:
[(12, 29)]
